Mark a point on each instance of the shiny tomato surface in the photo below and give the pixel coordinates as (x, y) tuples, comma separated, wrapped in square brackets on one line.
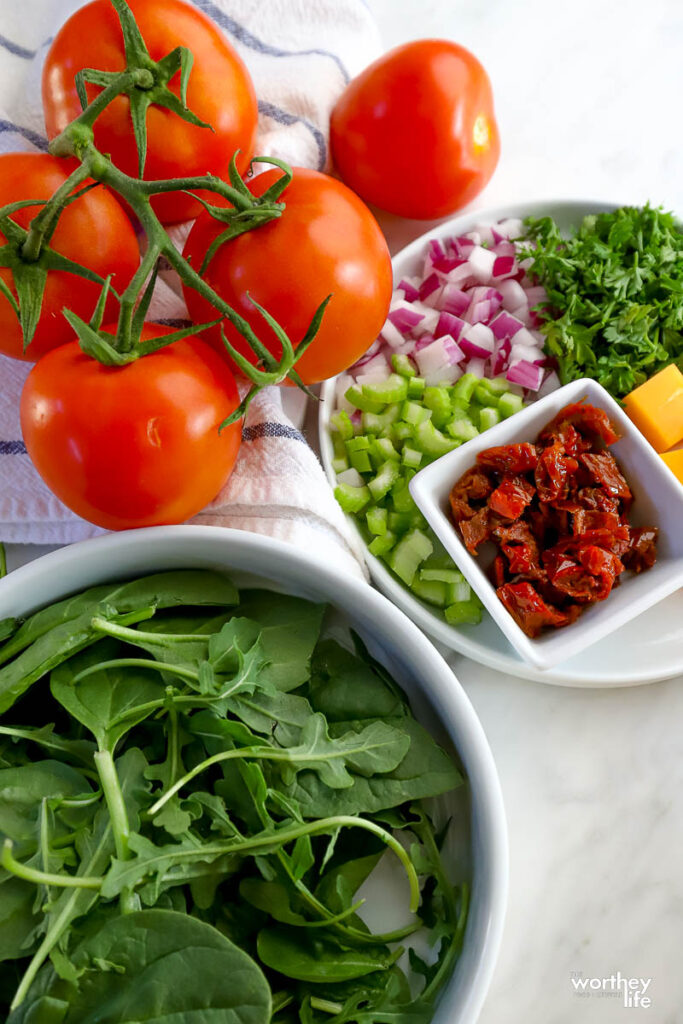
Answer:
[(325, 243), (219, 91), (136, 445), (93, 231), (415, 133)]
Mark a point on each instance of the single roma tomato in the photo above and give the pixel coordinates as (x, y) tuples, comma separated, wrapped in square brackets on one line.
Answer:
[(93, 231), (415, 132), (136, 445), (219, 91), (325, 243)]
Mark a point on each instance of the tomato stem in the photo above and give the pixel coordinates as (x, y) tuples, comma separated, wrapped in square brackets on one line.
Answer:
[(145, 82)]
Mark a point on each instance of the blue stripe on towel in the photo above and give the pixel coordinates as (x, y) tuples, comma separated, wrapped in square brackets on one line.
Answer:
[(27, 133), (284, 117), (272, 430), (12, 448), (247, 39), (16, 49)]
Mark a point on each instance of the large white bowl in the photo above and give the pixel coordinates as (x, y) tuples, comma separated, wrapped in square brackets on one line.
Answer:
[(627, 657), (435, 694)]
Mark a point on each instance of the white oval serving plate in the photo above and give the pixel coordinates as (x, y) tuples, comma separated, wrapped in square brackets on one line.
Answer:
[(645, 650)]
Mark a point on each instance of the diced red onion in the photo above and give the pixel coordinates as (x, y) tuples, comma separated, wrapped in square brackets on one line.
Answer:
[(453, 300), (536, 295), (513, 294), (550, 383), (374, 364), (449, 324), (369, 355), (423, 342), (429, 285), (481, 262), (481, 336), (510, 228), (444, 375), (504, 266), (504, 248), (445, 264), (391, 335), (404, 318), (436, 249), (477, 367), (525, 374), (409, 289), (504, 325), (442, 352)]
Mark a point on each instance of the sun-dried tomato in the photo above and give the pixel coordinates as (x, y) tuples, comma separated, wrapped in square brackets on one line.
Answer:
[(474, 485), (552, 472), (603, 467), (510, 458), (591, 422), (642, 552), (511, 496), (478, 528), (558, 510), (528, 608)]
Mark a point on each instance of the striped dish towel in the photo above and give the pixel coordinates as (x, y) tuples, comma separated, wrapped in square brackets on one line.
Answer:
[(300, 53)]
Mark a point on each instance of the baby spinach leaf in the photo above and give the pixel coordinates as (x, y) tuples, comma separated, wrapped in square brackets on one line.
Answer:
[(298, 956), (273, 898), (345, 686), (108, 702), (45, 736), (18, 921), (290, 629), (162, 590), (22, 790), (426, 770), (159, 965)]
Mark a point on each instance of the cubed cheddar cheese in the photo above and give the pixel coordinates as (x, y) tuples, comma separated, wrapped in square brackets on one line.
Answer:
[(656, 408), (674, 461)]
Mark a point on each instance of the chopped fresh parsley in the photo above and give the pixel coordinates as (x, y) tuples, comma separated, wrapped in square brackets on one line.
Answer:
[(615, 295)]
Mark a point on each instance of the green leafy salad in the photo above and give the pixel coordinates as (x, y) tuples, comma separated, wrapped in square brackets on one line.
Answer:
[(194, 784), (615, 295)]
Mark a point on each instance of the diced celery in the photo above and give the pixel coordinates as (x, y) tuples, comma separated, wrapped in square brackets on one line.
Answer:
[(410, 551), (376, 519), (399, 522), (381, 546), (439, 401), (382, 449), (483, 395), (393, 389), (431, 441), (442, 575), (509, 404), (401, 498), (459, 592), (358, 444), (410, 457), (416, 386), (352, 499), (379, 422), (488, 418), (361, 461), (463, 389), (384, 481), (340, 464), (414, 413), (341, 423), (339, 446), (498, 385), (403, 365), (463, 613), (400, 432), (358, 400), (432, 591)]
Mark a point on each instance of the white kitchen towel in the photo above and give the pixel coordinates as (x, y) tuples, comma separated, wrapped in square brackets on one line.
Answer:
[(300, 53)]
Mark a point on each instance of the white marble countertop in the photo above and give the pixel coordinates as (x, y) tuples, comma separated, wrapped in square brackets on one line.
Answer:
[(593, 780), (587, 97)]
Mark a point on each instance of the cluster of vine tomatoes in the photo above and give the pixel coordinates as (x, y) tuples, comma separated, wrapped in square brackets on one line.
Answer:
[(139, 445)]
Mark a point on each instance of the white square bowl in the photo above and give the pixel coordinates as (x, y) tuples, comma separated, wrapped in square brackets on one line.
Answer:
[(658, 502)]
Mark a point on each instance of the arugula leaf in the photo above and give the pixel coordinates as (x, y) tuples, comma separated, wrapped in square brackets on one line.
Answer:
[(298, 956), (615, 295)]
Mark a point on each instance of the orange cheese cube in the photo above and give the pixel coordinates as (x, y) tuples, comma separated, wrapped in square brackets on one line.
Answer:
[(674, 461), (656, 408)]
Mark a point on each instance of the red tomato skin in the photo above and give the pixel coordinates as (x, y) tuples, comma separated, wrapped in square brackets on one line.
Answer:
[(96, 217), (326, 242), (415, 133), (219, 91), (137, 445)]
